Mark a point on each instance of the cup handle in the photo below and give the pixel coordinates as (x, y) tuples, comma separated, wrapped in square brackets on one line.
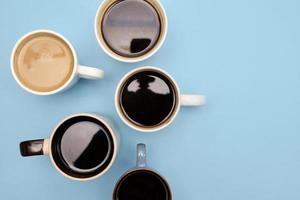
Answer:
[(141, 155), (192, 100), (34, 147), (90, 72)]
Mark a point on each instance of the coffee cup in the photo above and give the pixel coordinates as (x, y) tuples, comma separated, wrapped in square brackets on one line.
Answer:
[(82, 146), (44, 62), (131, 30), (147, 99), (142, 182)]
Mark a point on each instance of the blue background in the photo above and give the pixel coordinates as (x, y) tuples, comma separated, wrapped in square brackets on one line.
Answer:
[(244, 144)]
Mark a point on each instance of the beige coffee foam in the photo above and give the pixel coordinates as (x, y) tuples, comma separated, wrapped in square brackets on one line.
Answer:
[(43, 62)]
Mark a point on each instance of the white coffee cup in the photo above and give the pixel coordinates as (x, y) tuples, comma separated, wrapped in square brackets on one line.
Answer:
[(144, 171), (180, 99), (106, 5), (50, 146), (79, 71)]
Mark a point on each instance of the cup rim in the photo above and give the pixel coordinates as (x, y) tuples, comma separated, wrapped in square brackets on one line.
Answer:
[(134, 169), (132, 125), (108, 126), (66, 84), (121, 58)]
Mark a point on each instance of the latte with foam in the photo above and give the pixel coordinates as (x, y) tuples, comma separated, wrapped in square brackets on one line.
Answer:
[(43, 62)]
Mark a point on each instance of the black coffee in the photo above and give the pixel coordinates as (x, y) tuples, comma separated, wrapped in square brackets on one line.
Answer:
[(84, 146), (148, 98), (131, 27), (142, 185)]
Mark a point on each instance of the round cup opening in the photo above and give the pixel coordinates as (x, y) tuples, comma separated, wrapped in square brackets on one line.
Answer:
[(43, 62), (142, 183), (147, 99), (131, 30), (82, 147)]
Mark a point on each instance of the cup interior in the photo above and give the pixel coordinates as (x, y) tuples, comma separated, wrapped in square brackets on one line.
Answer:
[(147, 99), (43, 62), (82, 147), (142, 184), (131, 30)]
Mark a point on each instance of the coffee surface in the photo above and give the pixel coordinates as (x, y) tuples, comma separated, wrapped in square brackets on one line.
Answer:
[(131, 28), (142, 185), (147, 98), (43, 62), (85, 146), (82, 147)]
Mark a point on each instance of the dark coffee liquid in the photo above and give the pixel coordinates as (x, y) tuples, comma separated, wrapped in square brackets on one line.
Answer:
[(142, 185), (131, 27), (83, 148), (148, 98)]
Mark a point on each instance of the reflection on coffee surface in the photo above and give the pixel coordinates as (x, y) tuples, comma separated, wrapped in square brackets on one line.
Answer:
[(142, 185), (43, 62), (84, 146), (131, 28), (147, 98)]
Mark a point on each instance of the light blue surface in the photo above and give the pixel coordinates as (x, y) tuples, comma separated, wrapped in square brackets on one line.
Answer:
[(244, 144)]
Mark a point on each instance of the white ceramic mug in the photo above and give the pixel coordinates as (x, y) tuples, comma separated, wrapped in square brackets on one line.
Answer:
[(79, 71), (54, 148), (125, 190), (180, 99), (105, 6)]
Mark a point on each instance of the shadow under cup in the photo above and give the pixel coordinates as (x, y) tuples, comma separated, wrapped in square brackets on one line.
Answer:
[(82, 147)]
